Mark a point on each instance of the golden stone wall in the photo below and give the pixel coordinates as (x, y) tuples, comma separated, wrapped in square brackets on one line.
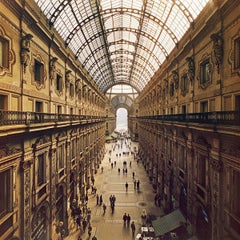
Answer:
[(195, 165)]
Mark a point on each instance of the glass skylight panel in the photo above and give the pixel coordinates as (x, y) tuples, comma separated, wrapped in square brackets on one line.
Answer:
[(125, 21), (164, 23), (150, 28), (48, 8), (65, 22), (195, 7), (177, 22), (134, 23), (158, 8), (137, 4), (166, 41), (105, 4)]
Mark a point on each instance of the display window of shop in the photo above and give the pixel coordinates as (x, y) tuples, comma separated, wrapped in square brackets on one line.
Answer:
[(6, 205)]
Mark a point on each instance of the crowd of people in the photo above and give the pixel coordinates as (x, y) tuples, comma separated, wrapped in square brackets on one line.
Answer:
[(82, 215)]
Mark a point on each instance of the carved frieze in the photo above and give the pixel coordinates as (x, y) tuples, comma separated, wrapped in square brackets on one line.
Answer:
[(9, 149)]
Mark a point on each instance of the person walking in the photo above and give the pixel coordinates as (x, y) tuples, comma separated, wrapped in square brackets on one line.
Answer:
[(97, 197), (126, 186), (138, 185), (124, 219), (135, 183), (78, 222), (133, 228), (89, 230), (84, 224), (100, 200), (104, 208), (112, 206), (128, 220)]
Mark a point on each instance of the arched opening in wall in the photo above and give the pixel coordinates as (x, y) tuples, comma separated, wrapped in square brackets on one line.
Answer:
[(122, 120)]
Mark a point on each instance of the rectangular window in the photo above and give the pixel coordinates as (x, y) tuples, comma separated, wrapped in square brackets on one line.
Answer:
[(237, 53), (202, 170), (184, 109), (236, 193), (205, 72), (235, 206), (59, 83), (204, 106), (4, 53), (3, 102), (61, 156), (6, 193), (172, 89), (41, 169), (39, 107), (164, 94), (71, 89), (59, 109), (73, 149), (184, 83), (181, 157), (237, 103), (38, 72)]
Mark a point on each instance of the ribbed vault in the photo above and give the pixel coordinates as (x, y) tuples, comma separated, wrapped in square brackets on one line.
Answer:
[(124, 41)]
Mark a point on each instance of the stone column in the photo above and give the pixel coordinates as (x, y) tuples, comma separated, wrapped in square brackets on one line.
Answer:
[(189, 179), (216, 169), (26, 199)]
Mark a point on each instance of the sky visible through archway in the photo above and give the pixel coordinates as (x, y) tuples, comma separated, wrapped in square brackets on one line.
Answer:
[(122, 120)]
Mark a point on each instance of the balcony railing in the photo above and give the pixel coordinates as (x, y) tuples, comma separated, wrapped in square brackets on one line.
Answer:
[(226, 117), (14, 117)]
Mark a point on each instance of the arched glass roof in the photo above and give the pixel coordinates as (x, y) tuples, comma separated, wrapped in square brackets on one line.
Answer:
[(124, 41)]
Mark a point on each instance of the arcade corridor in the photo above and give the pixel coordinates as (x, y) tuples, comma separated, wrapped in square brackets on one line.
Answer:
[(110, 182), (68, 66)]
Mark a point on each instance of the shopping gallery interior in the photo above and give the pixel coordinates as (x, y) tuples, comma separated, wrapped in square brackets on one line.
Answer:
[(120, 119)]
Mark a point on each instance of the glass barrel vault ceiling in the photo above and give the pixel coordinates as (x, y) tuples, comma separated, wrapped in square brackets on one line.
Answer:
[(121, 41)]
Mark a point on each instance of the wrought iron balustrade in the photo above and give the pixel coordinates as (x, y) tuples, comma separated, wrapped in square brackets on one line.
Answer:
[(223, 117), (15, 117)]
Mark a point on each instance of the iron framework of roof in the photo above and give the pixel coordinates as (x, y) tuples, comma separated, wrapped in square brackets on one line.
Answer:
[(121, 41)]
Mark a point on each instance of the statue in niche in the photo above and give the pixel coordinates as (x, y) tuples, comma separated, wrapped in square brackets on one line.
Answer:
[(52, 68), (175, 78), (218, 49), (25, 50), (68, 78), (191, 68), (78, 85)]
